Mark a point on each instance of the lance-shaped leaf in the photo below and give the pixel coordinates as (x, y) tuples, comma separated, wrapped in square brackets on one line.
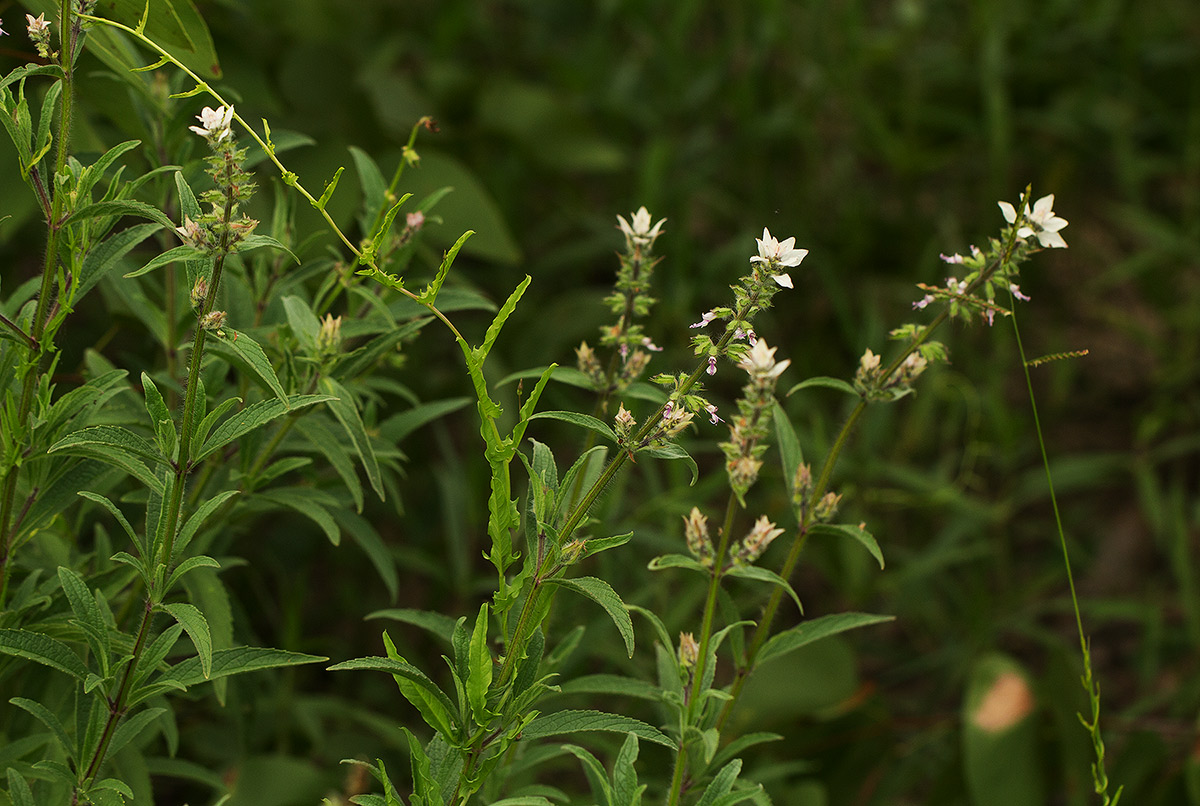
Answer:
[(343, 408), (396, 667), (790, 454), (259, 241), (104, 440), (196, 626), (437, 624), (249, 351), (43, 649), (429, 295), (47, 718), (175, 255), (237, 660), (87, 614), (763, 575), (104, 256), (197, 519), (129, 729), (562, 722), (828, 383), (479, 669), (252, 417), (602, 594), (854, 533), (431, 708), (119, 207), (673, 450), (815, 629), (582, 420)]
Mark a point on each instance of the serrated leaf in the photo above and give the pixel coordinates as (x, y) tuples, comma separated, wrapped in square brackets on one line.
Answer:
[(308, 504), (611, 685), (18, 789), (396, 667), (479, 669), (430, 707), (397, 427), (254, 416), (343, 408), (323, 439), (250, 352), (856, 533), (196, 626), (190, 564), (303, 322), (98, 438), (117, 208), (103, 257), (721, 784), (87, 613), (44, 650), (602, 594), (562, 722), (47, 718), (582, 420), (251, 242), (790, 454), (815, 629), (237, 660)]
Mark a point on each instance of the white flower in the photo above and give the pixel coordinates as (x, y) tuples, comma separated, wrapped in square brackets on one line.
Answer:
[(705, 319), (1041, 221), (759, 360), (214, 123), (712, 365), (923, 302), (37, 25), (712, 410), (784, 280), (773, 252), (2, 31), (640, 233), (1015, 290)]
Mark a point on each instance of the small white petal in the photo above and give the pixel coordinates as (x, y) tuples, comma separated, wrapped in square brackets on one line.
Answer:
[(1010, 213), (783, 280)]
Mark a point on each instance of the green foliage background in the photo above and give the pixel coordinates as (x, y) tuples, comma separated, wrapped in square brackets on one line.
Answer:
[(879, 134)]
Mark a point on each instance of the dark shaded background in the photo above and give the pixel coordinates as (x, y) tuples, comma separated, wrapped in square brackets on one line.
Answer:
[(879, 134)]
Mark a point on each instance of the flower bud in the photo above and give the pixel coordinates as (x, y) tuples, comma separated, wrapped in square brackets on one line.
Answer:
[(213, 320), (695, 530), (756, 542), (624, 424), (329, 339), (199, 292), (689, 650), (827, 507)]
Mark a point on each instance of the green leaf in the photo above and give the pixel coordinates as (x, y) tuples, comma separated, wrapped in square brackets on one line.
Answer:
[(763, 575), (626, 791), (43, 649), (303, 322), (118, 208), (101, 440), (815, 629), (828, 383), (506, 310), (191, 564), (854, 533), (196, 626), (721, 784), (595, 545), (397, 427), (429, 294), (343, 408), (594, 771), (479, 669), (175, 255), (252, 417), (129, 729), (563, 722), (87, 614), (435, 623), (47, 718), (678, 561), (308, 503), (602, 594), (18, 789), (250, 352), (324, 440), (395, 667), (432, 710), (674, 451), (197, 519), (790, 454), (582, 420), (611, 685), (104, 256), (252, 242), (237, 660), (116, 513)]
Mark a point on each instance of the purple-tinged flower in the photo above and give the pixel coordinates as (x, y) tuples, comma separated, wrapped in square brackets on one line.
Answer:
[(1015, 290), (955, 258), (923, 302), (712, 365), (705, 319), (651, 346), (711, 408), (2, 31)]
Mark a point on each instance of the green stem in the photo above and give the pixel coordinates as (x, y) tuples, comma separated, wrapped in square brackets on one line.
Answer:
[(68, 37)]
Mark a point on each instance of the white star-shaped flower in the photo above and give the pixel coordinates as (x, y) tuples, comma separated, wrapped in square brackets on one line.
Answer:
[(1041, 222), (773, 251), (640, 232), (214, 123), (760, 360)]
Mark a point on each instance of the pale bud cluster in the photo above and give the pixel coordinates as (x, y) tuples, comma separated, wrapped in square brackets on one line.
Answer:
[(756, 541), (802, 498), (213, 321), (39, 33), (199, 292), (638, 232), (695, 531), (623, 424), (689, 650), (329, 337), (674, 420), (749, 429), (869, 380)]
